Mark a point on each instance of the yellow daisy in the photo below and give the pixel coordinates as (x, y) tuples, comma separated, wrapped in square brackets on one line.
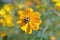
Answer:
[(28, 20)]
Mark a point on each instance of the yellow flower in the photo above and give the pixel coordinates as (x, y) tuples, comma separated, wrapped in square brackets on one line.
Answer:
[(5, 18), (52, 37), (3, 34), (8, 7), (55, 0), (2, 14), (29, 20), (57, 3)]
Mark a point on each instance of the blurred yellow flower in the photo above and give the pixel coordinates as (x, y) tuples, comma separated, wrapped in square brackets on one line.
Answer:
[(8, 7), (29, 20), (57, 4), (5, 17), (52, 37), (3, 34), (55, 0)]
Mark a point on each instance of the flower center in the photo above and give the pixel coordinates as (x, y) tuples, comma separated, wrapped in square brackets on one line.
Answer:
[(26, 20)]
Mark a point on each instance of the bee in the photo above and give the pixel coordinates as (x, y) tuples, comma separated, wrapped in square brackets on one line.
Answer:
[(26, 20)]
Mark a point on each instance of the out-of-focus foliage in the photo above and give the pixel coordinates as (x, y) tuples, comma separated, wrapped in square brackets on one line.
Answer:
[(49, 14)]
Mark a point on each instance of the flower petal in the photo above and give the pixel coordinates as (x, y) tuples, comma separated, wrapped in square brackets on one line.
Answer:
[(37, 14), (35, 26), (36, 18), (24, 27), (29, 29)]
